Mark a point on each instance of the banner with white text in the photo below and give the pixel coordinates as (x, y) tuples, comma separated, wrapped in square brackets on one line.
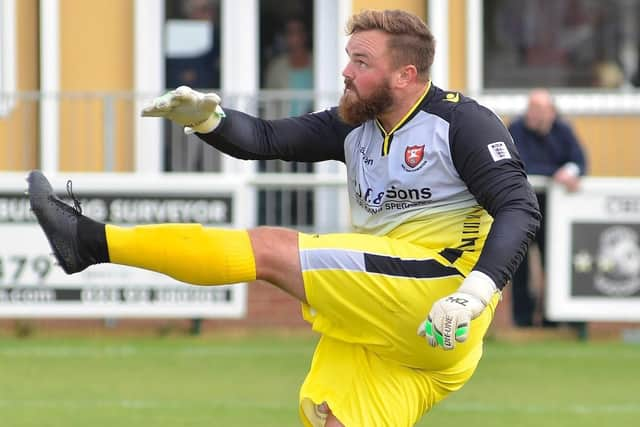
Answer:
[(31, 285)]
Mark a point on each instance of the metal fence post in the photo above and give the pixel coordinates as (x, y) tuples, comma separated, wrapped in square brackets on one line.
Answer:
[(108, 123)]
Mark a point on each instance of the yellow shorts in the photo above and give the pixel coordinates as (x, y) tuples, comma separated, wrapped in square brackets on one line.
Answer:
[(366, 296)]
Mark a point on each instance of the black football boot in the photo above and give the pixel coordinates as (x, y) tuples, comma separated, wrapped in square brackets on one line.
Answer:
[(77, 241)]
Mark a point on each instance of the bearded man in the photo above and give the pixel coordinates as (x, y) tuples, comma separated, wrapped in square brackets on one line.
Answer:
[(441, 209)]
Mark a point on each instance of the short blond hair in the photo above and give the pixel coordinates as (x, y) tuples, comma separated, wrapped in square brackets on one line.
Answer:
[(411, 41)]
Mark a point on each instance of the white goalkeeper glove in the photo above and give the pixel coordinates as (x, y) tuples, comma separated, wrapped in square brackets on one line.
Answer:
[(196, 111), (450, 317)]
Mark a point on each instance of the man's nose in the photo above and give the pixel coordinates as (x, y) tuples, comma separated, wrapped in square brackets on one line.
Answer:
[(346, 72)]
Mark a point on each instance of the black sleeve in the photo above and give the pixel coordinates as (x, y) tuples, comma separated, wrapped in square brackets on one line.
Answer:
[(487, 160), (312, 137)]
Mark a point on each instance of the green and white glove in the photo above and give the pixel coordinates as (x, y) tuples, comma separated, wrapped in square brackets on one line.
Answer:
[(196, 111), (450, 317)]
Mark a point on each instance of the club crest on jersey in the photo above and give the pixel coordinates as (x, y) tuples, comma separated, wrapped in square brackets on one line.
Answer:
[(413, 157)]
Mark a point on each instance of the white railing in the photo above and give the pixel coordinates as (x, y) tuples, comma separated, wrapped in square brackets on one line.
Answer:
[(96, 131)]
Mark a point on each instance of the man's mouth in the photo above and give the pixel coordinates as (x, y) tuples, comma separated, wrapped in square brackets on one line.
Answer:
[(348, 86)]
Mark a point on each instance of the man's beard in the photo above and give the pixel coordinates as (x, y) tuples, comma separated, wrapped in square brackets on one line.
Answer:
[(355, 110)]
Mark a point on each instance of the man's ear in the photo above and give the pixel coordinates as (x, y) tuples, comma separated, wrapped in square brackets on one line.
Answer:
[(406, 75)]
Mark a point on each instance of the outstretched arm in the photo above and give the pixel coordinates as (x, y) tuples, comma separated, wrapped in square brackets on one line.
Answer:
[(309, 138)]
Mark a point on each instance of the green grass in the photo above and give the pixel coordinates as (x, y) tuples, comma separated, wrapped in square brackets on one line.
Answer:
[(550, 384), (253, 381)]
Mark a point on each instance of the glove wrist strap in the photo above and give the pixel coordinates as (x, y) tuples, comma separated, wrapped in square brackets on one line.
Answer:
[(479, 285), (209, 124)]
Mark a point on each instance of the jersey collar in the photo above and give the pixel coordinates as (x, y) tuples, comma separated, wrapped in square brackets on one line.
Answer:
[(388, 136)]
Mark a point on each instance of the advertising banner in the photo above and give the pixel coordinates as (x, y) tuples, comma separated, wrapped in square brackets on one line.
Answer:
[(593, 251), (31, 285)]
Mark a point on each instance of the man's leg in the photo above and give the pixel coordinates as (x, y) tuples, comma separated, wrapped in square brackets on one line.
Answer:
[(277, 259), (332, 421), (188, 252), (522, 303), (211, 256), (541, 240)]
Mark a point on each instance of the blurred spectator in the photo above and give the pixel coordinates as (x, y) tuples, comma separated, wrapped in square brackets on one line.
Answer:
[(292, 69), (548, 147), (193, 45), (192, 49), (609, 75)]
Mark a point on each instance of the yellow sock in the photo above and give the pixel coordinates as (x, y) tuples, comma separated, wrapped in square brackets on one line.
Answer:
[(187, 252)]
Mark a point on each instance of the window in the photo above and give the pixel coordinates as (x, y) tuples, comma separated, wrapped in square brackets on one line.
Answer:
[(192, 58), (192, 43), (286, 61), (286, 66), (561, 44)]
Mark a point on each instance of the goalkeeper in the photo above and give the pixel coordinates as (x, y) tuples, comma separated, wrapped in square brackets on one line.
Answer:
[(441, 209)]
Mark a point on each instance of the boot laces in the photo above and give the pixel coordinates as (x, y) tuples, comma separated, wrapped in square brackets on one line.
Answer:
[(76, 203)]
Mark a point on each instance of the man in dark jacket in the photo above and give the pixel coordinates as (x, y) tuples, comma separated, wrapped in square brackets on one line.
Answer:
[(548, 147)]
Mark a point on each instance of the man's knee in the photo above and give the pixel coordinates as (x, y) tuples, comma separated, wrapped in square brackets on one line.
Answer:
[(277, 260), (331, 420), (271, 243)]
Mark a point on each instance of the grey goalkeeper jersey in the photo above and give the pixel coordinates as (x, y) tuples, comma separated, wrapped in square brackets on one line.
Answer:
[(448, 153), (407, 175)]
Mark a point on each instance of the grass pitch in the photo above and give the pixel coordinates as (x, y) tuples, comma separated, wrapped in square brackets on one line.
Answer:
[(253, 381)]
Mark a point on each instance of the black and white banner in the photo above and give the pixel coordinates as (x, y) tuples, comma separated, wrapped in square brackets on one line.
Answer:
[(593, 251), (31, 285)]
